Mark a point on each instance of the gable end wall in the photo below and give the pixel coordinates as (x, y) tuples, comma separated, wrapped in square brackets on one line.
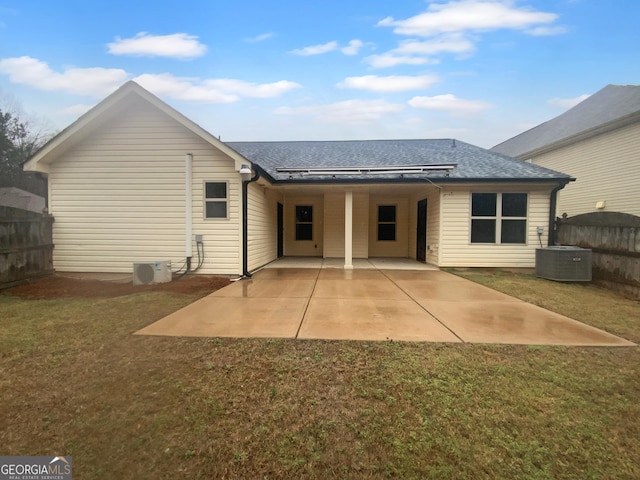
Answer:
[(118, 197)]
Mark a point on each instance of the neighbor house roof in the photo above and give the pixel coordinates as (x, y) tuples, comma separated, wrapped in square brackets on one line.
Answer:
[(612, 107), (387, 160)]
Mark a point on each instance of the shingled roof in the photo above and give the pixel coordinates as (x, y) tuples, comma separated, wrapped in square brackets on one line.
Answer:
[(613, 105), (443, 160)]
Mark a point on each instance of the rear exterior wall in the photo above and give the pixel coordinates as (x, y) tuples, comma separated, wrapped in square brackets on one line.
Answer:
[(118, 197), (456, 249)]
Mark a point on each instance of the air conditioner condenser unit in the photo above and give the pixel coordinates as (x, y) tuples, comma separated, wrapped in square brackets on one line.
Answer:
[(564, 264), (147, 273)]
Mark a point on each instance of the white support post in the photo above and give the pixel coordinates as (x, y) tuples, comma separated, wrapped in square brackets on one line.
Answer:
[(348, 230)]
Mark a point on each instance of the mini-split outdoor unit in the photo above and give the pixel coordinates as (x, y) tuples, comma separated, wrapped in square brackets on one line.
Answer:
[(146, 273), (564, 264)]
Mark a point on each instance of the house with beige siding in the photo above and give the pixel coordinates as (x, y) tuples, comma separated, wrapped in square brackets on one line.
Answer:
[(598, 143), (133, 180)]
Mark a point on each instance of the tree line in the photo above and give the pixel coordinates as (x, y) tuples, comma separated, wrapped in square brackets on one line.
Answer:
[(18, 142)]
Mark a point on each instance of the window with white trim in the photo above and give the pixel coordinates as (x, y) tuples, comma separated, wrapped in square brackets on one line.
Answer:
[(216, 199), (499, 218), (304, 222), (387, 223)]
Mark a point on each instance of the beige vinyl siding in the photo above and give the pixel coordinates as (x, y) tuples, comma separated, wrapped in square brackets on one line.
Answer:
[(413, 227), (456, 249), (262, 220), (433, 227), (606, 168), (303, 248), (399, 247), (118, 197), (334, 225), (361, 225)]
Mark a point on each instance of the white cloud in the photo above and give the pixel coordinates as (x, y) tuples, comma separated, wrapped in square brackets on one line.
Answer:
[(420, 52), (316, 49), (547, 31), (218, 90), (353, 48), (451, 104), (453, 43), (567, 103), (96, 82), (387, 60), (99, 82), (260, 38), (188, 89), (468, 15), (350, 112), (177, 45), (392, 83)]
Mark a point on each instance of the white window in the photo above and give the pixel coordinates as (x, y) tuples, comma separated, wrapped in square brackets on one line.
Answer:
[(499, 218), (387, 223), (216, 199), (304, 222)]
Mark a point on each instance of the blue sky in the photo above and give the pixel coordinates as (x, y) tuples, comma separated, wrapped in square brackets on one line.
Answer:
[(477, 70)]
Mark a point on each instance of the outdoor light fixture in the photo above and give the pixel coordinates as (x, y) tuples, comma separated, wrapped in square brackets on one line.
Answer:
[(245, 172)]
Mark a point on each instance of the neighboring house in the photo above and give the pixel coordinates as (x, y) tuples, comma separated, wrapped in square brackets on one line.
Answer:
[(598, 143), (134, 180)]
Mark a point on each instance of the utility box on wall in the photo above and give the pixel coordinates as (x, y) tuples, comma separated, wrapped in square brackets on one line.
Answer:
[(564, 264)]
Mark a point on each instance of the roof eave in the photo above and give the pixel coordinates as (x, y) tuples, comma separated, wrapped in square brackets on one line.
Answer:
[(427, 180)]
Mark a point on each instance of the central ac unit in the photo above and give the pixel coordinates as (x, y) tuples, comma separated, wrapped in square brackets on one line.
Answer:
[(146, 273), (564, 264)]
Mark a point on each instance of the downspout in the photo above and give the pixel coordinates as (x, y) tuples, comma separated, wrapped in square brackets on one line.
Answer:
[(245, 221), (553, 203), (188, 176)]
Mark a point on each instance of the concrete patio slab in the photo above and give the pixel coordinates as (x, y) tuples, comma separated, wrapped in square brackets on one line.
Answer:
[(268, 288), (351, 288), (373, 304), (518, 322), (233, 317), (451, 291), (371, 319)]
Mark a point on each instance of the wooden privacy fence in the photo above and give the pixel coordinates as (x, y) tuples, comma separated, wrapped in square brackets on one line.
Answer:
[(614, 239), (26, 245)]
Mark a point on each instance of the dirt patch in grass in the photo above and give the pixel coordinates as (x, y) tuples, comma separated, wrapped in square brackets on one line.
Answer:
[(65, 287)]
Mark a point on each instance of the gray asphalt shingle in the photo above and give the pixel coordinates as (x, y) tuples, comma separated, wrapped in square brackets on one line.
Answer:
[(473, 163)]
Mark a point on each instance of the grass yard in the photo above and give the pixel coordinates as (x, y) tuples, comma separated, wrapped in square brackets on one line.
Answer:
[(75, 381)]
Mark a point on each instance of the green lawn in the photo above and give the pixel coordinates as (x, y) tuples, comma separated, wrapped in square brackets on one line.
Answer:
[(74, 381)]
